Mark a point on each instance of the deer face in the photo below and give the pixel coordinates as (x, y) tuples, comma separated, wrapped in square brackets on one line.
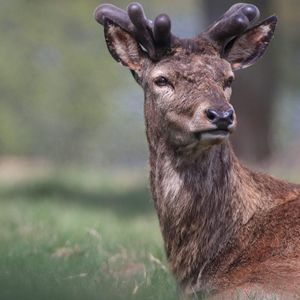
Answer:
[(190, 95), (187, 83)]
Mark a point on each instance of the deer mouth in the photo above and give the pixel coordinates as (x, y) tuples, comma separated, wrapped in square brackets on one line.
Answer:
[(212, 134)]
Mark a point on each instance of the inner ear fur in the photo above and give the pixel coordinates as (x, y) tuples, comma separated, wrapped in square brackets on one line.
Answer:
[(123, 47), (246, 49)]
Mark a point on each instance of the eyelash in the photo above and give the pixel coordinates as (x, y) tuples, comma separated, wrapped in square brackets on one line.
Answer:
[(162, 81), (228, 82)]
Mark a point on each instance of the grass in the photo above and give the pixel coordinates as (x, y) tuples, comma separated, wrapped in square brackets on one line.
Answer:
[(76, 237)]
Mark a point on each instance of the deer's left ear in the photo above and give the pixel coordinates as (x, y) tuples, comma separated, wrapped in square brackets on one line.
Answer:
[(246, 49), (123, 47)]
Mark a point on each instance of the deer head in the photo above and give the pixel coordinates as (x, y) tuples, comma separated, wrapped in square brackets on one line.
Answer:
[(187, 82)]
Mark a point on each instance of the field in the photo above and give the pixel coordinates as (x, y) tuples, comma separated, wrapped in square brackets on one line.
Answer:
[(73, 236), (77, 234)]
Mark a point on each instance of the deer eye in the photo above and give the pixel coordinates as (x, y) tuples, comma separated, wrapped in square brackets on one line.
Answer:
[(161, 81), (228, 82)]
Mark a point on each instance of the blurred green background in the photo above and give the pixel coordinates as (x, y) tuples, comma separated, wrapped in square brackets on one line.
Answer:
[(76, 219)]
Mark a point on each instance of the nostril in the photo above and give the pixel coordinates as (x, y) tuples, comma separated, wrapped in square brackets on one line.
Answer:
[(220, 118), (229, 115), (211, 114)]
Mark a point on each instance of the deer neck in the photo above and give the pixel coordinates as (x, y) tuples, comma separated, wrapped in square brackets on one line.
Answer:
[(213, 179), (200, 205)]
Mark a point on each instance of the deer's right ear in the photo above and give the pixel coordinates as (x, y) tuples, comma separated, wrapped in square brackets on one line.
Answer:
[(123, 47)]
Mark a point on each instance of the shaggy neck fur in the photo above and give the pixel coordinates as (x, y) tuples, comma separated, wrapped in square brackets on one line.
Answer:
[(202, 206), (199, 208)]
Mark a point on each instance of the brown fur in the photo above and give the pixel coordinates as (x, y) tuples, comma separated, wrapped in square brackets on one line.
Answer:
[(229, 227), (224, 226)]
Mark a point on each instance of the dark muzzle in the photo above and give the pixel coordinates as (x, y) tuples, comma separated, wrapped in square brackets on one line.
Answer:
[(222, 119)]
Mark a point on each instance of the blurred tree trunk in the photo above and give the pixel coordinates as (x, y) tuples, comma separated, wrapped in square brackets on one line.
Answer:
[(253, 93)]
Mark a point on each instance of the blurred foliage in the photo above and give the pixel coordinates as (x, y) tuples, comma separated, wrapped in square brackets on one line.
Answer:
[(50, 87), (53, 89), (61, 95), (289, 42)]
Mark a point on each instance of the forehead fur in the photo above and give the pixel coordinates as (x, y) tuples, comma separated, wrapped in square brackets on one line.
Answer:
[(199, 45), (191, 66)]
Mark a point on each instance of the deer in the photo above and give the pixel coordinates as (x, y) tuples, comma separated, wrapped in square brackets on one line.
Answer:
[(224, 226)]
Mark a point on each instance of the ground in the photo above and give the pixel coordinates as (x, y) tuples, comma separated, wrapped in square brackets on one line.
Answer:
[(75, 234), (70, 236)]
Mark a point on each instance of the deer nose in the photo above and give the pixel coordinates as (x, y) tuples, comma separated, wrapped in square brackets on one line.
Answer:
[(222, 119)]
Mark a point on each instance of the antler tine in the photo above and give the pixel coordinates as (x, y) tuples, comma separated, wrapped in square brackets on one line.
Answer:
[(115, 14), (234, 22), (142, 25), (155, 36), (162, 30)]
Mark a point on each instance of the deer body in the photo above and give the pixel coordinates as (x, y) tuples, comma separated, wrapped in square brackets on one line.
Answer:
[(224, 226)]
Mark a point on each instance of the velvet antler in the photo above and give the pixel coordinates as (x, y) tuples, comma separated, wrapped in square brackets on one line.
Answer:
[(234, 22), (155, 37)]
